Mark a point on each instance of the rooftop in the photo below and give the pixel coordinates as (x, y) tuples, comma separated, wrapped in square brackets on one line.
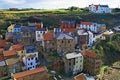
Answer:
[(62, 35), (30, 49), (18, 47), (17, 26), (48, 36), (73, 55), (3, 43), (12, 61), (9, 53), (80, 77), (67, 30), (29, 72), (89, 53), (86, 23)]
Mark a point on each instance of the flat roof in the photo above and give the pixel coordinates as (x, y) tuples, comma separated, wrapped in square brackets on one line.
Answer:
[(73, 55)]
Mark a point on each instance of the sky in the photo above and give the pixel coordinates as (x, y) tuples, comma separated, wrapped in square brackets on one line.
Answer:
[(55, 4)]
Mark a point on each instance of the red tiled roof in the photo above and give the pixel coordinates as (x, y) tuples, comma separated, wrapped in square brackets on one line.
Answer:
[(18, 47), (67, 30), (3, 43), (29, 72), (86, 23), (80, 77), (48, 36), (96, 6), (89, 53), (10, 53)]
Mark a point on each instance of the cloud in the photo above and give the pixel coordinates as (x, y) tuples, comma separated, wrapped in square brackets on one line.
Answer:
[(53, 4), (14, 1)]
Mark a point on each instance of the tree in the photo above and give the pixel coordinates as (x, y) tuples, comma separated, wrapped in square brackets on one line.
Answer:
[(73, 8)]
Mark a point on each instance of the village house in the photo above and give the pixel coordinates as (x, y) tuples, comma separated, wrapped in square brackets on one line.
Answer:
[(28, 35), (73, 63), (85, 38), (11, 28), (17, 38), (49, 42), (92, 62), (31, 57), (93, 27), (39, 35), (9, 36), (3, 68), (99, 8), (13, 65), (34, 74), (19, 48), (64, 42), (67, 24)]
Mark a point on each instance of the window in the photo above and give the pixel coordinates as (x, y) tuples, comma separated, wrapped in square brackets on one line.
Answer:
[(36, 59), (38, 35), (31, 63), (68, 41), (62, 41), (69, 63)]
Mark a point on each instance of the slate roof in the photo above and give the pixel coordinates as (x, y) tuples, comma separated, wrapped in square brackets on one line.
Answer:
[(17, 26), (17, 36), (28, 29), (41, 29), (103, 5), (62, 35), (30, 49)]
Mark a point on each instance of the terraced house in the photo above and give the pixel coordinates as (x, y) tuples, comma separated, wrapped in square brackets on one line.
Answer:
[(64, 42), (31, 57), (49, 42), (92, 62), (73, 63)]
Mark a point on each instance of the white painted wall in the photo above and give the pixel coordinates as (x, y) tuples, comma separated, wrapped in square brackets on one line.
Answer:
[(78, 67)]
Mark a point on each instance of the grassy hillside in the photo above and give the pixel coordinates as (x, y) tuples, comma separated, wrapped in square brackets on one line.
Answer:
[(51, 18)]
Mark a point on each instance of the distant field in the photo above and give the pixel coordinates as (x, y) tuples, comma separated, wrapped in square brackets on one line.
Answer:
[(40, 11)]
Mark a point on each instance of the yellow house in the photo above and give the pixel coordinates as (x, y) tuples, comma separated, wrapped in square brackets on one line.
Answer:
[(11, 28)]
